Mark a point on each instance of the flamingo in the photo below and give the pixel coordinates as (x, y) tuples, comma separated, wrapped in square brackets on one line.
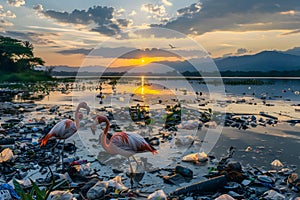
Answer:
[(124, 144), (66, 127)]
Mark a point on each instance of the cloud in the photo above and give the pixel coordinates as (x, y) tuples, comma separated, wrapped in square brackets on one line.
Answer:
[(15, 3), (132, 13), (124, 52), (6, 14), (292, 32), (105, 52), (4, 23), (75, 51), (101, 17), (167, 3), (38, 8), (228, 15), (139, 53), (119, 12), (241, 51), (192, 9), (158, 11), (33, 37)]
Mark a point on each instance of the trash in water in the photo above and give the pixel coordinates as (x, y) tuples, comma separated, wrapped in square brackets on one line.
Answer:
[(6, 155), (157, 195), (195, 157)]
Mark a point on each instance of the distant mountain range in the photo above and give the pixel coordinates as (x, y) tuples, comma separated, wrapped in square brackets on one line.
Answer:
[(264, 61)]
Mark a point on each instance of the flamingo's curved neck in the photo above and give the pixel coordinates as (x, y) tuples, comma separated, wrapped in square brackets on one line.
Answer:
[(77, 120), (104, 136), (77, 113)]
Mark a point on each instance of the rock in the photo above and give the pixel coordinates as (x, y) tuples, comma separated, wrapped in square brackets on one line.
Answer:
[(84, 189), (234, 166), (174, 179), (209, 185), (235, 195), (185, 172), (97, 191), (157, 195), (60, 195), (225, 197), (232, 186), (184, 140), (292, 179), (273, 195), (246, 182)]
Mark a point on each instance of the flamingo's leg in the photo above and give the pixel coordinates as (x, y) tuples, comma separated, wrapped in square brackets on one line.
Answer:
[(62, 154), (137, 162), (131, 173), (55, 145)]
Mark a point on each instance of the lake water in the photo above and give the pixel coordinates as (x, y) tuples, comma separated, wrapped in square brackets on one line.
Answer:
[(160, 92)]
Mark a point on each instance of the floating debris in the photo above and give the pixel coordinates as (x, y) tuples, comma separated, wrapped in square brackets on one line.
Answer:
[(195, 157), (157, 195)]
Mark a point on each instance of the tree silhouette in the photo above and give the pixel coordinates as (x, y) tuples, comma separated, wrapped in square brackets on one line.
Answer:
[(17, 55)]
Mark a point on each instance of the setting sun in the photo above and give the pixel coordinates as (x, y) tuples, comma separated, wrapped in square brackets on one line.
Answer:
[(142, 61)]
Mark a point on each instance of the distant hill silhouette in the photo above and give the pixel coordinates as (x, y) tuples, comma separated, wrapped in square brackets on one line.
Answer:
[(263, 61), (294, 51)]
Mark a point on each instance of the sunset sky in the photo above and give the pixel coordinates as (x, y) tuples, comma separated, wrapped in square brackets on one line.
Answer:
[(64, 32)]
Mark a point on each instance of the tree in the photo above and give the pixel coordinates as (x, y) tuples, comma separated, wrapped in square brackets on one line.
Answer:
[(17, 55)]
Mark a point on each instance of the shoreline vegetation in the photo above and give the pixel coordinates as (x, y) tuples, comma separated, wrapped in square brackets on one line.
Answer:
[(27, 76), (17, 62)]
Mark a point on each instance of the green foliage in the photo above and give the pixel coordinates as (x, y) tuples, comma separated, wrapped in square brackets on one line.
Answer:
[(39, 194), (17, 55), (32, 76), (36, 193)]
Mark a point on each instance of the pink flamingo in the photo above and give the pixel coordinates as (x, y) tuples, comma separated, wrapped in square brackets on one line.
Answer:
[(66, 127), (125, 144)]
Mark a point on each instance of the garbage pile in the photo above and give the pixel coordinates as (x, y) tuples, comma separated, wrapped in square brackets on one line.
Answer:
[(55, 171)]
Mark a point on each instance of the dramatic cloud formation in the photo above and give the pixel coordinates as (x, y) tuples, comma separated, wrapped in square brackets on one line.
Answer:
[(33, 37), (16, 3), (213, 15), (192, 9), (132, 53), (102, 17), (158, 11)]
